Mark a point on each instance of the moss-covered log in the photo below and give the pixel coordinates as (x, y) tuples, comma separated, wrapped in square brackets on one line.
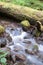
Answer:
[(21, 12)]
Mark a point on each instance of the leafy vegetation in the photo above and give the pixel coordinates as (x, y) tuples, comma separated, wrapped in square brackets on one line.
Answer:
[(2, 57), (36, 4)]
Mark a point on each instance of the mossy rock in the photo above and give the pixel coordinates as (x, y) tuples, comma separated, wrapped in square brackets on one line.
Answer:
[(35, 47), (37, 33), (39, 26), (25, 23), (2, 29)]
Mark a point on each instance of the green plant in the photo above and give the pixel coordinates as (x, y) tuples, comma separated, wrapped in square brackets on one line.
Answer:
[(2, 57), (36, 4)]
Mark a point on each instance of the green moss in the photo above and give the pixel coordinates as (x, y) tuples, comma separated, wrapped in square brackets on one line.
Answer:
[(2, 29), (25, 23), (37, 33), (35, 47)]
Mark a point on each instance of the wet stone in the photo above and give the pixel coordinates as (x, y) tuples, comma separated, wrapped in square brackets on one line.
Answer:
[(19, 63), (9, 62), (41, 35), (39, 40), (35, 48), (29, 51), (9, 38), (17, 48), (35, 32), (13, 58), (27, 42), (3, 42), (21, 57), (40, 56)]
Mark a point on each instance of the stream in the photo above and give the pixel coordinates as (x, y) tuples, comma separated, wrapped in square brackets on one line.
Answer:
[(22, 45), (19, 41)]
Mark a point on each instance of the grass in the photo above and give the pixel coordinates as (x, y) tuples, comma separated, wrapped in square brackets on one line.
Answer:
[(36, 4)]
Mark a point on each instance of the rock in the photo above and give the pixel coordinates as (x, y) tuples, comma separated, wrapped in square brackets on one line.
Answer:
[(35, 48), (40, 56), (17, 48), (40, 39), (29, 51), (42, 28), (8, 38), (20, 57), (19, 63), (16, 56), (9, 62), (41, 34), (25, 24), (32, 51), (27, 42), (3, 42), (39, 26), (2, 29), (35, 32), (13, 58)]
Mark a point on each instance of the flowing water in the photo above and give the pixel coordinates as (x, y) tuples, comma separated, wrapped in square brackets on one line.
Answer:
[(21, 41), (18, 38)]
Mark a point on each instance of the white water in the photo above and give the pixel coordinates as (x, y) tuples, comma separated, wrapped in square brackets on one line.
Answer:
[(18, 40)]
